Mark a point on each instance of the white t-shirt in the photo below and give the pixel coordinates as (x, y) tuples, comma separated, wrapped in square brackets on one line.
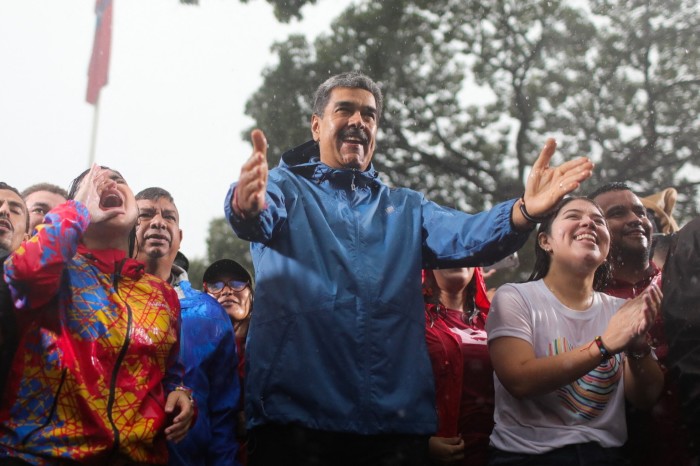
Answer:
[(592, 409)]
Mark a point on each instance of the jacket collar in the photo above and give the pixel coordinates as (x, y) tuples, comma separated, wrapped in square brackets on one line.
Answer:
[(112, 261), (305, 160)]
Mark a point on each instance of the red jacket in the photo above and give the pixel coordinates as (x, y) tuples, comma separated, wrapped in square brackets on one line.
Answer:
[(463, 374), (97, 353)]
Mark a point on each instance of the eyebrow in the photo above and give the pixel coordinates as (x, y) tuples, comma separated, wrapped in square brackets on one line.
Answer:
[(347, 103), (580, 211), (42, 205)]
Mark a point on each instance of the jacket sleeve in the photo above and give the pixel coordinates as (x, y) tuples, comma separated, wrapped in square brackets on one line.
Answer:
[(175, 369), (261, 228), (456, 239), (223, 397), (34, 270)]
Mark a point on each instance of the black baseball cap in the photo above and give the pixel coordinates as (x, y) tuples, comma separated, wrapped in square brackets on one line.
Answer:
[(226, 267)]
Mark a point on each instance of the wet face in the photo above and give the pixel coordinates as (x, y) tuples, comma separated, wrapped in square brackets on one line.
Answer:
[(118, 199), (234, 295), (579, 236), (453, 280), (39, 203), (157, 230), (630, 228), (347, 130), (13, 220)]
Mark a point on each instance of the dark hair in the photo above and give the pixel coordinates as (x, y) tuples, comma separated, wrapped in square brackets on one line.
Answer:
[(154, 193), (608, 187), (351, 79), (75, 184), (6, 187), (542, 258), (48, 187)]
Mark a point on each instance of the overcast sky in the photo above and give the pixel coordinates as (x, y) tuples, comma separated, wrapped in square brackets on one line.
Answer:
[(172, 113)]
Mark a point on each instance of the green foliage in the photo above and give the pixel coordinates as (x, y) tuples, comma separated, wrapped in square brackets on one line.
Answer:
[(284, 10), (196, 272), (222, 243)]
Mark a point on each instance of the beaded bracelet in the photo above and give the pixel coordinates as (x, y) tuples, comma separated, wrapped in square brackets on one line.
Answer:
[(604, 353), (527, 216)]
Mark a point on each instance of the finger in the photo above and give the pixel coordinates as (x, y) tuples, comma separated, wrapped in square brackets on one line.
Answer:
[(546, 154), (170, 403), (259, 142)]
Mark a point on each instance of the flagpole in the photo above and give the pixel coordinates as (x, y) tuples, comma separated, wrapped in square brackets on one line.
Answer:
[(93, 138)]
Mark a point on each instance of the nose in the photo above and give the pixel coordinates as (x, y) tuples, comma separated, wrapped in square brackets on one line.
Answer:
[(4, 208), (356, 120), (157, 222)]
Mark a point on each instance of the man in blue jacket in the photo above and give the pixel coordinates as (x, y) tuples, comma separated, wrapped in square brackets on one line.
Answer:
[(338, 371), (207, 342)]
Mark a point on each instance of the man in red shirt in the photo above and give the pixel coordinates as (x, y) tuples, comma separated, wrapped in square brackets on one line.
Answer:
[(655, 437)]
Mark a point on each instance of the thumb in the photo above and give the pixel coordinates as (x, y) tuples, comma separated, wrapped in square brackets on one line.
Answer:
[(259, 142), (170, 403)]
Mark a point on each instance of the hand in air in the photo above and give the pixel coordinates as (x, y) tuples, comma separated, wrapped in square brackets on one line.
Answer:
[(249, 199), (548, 185)]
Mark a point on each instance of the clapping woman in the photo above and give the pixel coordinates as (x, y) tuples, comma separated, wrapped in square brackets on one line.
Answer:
[(567, 357)]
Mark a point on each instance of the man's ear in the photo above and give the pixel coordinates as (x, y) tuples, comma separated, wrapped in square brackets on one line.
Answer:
[(316, 127)]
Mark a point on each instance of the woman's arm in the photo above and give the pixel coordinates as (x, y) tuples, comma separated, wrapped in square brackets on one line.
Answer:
[(525, 375)]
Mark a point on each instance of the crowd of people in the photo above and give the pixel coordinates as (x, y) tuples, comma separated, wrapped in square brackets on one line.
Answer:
[(372, 338)]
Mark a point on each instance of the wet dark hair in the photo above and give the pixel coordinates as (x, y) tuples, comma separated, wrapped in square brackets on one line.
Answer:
[(6, 187), (542, 258), (608, 187), (351, 79)]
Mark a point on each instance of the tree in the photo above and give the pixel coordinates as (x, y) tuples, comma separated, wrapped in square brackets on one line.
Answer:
[(284, 10), (472, 89), (222, 243)]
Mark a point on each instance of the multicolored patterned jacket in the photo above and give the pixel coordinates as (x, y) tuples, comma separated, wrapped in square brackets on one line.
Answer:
[(97, 351)]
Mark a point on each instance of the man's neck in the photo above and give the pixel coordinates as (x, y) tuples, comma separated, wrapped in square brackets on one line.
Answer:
[(160, 267), (632, 271)]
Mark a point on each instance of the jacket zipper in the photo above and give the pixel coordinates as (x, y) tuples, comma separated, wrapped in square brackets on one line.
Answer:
[(120, 359)]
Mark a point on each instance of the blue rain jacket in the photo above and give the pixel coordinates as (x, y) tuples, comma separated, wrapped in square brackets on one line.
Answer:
[(337, 339), (208, 351)]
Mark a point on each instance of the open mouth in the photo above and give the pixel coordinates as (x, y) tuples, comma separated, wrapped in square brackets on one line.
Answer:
[(586, 237), (111, 199)]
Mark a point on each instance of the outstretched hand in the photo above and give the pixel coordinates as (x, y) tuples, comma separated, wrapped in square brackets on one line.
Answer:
[(546, 185), (249, 198), (90, 191)]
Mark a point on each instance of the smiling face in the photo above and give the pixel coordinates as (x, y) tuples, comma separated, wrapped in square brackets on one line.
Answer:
[(578, 236), (157, 230), (347, 130), (630, 228), (13, 220)]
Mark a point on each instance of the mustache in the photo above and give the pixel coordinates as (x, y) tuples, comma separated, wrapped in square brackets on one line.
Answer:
[(355, 133)]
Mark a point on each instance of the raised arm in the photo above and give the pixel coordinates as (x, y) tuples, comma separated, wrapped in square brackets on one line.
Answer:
[(249, 198), (548, 185)]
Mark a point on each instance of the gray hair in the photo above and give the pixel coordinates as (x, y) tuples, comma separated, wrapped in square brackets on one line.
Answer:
[(351, 79)]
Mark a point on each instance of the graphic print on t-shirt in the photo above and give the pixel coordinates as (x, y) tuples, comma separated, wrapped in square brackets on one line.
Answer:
[(588, 396)]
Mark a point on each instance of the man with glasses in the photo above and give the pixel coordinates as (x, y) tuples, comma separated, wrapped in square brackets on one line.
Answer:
[(230, 283), (207, 347)]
